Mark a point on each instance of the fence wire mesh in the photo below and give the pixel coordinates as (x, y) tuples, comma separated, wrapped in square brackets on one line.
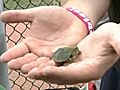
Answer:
[(14, 34)]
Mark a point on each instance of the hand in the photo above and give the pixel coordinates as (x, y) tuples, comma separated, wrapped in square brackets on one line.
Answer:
[(100, 50), (51, 27)]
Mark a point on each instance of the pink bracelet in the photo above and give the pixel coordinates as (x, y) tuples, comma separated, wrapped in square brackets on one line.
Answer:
[(83, 17)]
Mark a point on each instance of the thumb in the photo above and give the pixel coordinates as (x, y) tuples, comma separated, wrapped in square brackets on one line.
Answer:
[(15, 16)]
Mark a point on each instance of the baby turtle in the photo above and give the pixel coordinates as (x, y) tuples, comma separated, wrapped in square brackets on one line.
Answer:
[(66, 54)]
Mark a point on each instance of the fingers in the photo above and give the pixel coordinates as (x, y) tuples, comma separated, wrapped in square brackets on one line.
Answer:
[(42, 65), (16, 64), (14, 52), (37, 63), (15, 16), (83, 71), (60, 75)]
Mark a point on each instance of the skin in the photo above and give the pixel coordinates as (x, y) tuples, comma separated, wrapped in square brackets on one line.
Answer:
[(43, 45), (60, 29), (101, 52)]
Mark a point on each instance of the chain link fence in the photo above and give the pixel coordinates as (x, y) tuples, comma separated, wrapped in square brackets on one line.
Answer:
[(14, 34)]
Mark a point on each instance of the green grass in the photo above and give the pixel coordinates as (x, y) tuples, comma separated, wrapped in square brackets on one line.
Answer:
[(23, 4)]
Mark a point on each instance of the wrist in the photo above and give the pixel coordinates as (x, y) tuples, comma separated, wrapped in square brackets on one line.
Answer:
[(82, 17)]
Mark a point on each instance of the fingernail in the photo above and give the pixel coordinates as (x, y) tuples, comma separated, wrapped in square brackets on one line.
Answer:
[(32, 73), (2, 60), (31, 77)]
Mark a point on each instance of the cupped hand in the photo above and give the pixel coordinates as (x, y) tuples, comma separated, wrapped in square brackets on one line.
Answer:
[(51, 27), (99, 51)]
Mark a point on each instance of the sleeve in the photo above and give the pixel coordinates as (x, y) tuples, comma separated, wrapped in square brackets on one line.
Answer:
[(114, 11)]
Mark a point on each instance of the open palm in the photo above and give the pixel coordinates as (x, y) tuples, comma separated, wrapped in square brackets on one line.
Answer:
[(51, 27), (99, 51)]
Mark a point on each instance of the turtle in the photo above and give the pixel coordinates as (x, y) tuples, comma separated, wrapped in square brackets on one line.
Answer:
[(66, 54)]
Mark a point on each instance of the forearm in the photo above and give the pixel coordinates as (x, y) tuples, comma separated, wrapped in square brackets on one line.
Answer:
[(93, 9)]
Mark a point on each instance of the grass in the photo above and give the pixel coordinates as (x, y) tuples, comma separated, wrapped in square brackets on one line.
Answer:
[(23, 4)]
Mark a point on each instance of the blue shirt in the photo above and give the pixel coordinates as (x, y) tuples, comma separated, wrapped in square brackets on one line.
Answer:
[(111, 80)]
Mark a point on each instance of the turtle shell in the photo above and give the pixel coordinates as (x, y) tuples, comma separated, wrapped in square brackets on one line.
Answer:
[(62, 54)]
